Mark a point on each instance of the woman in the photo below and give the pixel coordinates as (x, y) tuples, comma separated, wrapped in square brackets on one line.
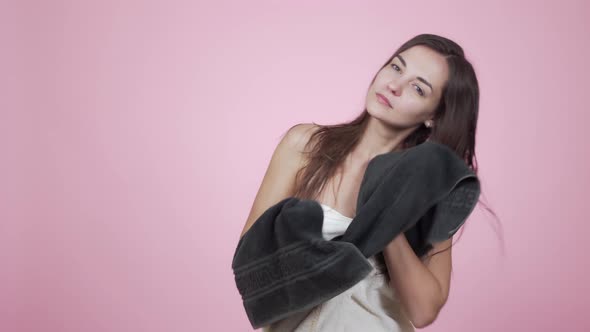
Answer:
[(425, 90)]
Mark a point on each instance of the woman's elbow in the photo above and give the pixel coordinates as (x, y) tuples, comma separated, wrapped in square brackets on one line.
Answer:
[(424, 319)]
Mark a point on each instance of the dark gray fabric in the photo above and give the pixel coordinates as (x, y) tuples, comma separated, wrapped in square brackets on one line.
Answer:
[(283, 265)]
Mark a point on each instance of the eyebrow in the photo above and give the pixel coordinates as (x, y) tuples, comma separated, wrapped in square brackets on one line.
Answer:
[(419, 78)]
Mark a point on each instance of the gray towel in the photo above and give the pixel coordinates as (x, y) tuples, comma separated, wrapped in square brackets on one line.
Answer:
[(283, 265)]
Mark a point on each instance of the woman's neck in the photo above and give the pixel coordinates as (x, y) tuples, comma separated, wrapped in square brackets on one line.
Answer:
[(378, 139)]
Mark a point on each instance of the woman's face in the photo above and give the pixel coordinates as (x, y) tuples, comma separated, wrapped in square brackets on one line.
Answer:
[(412, 83)]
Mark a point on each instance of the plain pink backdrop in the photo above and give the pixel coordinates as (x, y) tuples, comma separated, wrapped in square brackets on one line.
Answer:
[(134, 137)]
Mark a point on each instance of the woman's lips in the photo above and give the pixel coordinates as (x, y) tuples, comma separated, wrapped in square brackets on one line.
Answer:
[(383, 100)]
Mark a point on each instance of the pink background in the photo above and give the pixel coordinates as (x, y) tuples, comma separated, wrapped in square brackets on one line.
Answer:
[(134, 136)]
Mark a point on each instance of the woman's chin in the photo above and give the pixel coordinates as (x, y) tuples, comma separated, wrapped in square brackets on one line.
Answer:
[(380, 111)]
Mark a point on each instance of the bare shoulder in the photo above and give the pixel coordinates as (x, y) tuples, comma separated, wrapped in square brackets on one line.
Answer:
[(299, 135), (289, 154), (278, 182)]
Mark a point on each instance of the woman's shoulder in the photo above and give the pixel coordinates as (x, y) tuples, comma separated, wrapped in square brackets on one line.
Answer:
[(298, 136)]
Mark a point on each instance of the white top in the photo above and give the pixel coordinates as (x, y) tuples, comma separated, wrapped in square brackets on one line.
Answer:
[(370, 305)]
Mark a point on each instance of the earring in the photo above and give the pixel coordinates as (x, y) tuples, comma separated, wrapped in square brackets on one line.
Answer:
[(428, 124)]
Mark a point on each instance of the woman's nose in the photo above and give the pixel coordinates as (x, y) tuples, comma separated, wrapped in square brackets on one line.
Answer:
[(394, 87)]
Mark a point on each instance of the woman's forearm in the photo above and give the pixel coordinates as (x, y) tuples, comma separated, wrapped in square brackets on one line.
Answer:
[(417, 288)]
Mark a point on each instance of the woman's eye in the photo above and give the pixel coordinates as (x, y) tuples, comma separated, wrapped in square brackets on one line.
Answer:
[(396, 68), (420, 92)]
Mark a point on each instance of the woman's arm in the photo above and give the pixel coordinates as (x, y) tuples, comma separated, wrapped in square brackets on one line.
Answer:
[(279, 180), (423, 288)]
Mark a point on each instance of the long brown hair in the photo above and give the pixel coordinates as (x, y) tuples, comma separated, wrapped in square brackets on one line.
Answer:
[(455, 121)]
